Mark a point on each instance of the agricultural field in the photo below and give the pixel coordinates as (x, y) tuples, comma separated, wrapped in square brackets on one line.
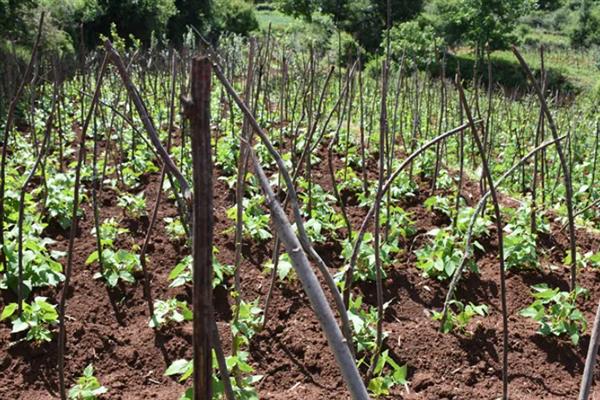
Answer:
[(258, 218)]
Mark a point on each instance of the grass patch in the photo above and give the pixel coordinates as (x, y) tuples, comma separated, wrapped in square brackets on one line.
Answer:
[(569, 73), (278, 20)]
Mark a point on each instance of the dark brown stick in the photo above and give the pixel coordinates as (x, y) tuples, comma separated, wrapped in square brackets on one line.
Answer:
[(379, 197), (304, 240), (146, 120), (498, 215), (202, 237), (314, 292), (469, 236)]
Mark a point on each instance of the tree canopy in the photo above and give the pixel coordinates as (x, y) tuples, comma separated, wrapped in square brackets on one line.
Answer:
[(68, 20), (364, 19), (479, 23)]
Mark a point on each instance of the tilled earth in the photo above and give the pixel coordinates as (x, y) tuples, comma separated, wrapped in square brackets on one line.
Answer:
[(109, 328)]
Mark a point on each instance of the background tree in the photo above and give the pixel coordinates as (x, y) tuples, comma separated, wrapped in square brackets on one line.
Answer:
[(197, 13), (479, 23), (549, 5), (13, 14), (236, 16), (299, 8), (587, 30), (417, 43), (143, 18), (366, 19)]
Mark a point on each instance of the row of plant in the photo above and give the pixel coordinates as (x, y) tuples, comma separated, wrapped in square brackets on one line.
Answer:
[(308, 108)]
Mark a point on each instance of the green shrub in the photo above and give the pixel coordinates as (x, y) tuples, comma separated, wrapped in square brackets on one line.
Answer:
[(235, 16), (506, 73), (300, 33), (417, 44), (346, 45)]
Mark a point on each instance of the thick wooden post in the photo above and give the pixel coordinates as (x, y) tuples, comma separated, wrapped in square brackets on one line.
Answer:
[(198, 110)]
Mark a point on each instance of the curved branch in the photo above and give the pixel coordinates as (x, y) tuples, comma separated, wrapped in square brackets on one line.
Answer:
[(476, 214), (379, 197), (563, 163)]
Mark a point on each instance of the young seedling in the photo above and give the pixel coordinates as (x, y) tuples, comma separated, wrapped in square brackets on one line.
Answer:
[(59, 198), (365, 264), (440, 204), (441, 257), (116, 266), (110, 231), (88, 387), (256, 221), (556, 312), (387, 373), (170, 310), (36, 319), (174, 229), (134, 206), (285, 269), (243, 387), (460, 320), (520, 246), (249, 321), (182, 273), (40, 265)]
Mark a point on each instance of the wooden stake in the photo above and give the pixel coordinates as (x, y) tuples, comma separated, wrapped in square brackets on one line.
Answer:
[(198, 110)]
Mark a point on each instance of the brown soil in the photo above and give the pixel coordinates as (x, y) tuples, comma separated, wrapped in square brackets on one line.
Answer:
[(109, 328)]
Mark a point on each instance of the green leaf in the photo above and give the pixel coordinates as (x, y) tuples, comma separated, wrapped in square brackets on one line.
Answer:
[(400, 374), (178, 367), (175, 272), (530, 312), (575, 338), (19, 325), (92, 258), (112, 279), (88, 371), (8, 311), (99, 391), (188, 372), (283, 269), (188, 395)]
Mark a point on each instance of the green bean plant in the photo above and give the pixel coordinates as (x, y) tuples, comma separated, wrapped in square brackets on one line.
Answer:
[(87, 386), (37, 319), (41, 266), (365, 264), (133, 205), (181, 274), (520, 243), (285, 269), (119, 265), (441, 256), (170, 311), (460, 319), (387, 373), (556, 312)]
